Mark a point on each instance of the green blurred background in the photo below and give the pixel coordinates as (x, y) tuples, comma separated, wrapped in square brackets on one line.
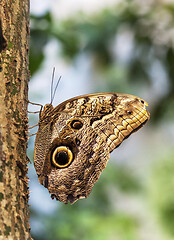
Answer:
[(119, 46)]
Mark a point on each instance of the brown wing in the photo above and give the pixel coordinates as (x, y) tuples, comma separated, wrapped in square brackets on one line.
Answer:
[(90, 126)]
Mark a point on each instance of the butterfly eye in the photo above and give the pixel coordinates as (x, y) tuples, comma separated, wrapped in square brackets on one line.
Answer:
[(129, 112), (76, 124), (62, 157)]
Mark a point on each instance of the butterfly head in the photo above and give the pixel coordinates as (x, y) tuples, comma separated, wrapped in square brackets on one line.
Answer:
[(46, 113)]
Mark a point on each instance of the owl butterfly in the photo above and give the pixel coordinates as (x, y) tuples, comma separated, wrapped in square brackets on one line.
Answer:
[(75, 139)]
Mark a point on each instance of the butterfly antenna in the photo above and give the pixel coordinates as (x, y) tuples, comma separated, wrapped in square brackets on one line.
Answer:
[(52, 80), (55, 89)]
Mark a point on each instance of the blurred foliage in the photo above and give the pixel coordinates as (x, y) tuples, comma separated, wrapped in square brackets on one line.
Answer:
[(161, 191), (40, 36), (72, 223), (148, 30)]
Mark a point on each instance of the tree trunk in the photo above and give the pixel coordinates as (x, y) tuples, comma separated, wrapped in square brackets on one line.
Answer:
[(14, 76)]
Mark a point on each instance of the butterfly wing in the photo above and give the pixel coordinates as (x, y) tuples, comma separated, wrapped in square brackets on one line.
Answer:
[(75, 139)]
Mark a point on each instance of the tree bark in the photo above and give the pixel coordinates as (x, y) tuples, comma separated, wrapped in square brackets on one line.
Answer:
[(14, 76)]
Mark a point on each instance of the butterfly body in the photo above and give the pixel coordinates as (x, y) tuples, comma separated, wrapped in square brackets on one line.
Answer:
[(74, 140)]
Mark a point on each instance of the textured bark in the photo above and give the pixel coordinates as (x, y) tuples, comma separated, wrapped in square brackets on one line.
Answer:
[(14, 75)]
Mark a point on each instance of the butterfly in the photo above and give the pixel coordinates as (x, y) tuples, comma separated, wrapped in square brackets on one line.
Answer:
[(74, 140)]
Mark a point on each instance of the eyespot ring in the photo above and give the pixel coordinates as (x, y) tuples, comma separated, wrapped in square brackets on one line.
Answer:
[(62, 157), (76, 124)]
